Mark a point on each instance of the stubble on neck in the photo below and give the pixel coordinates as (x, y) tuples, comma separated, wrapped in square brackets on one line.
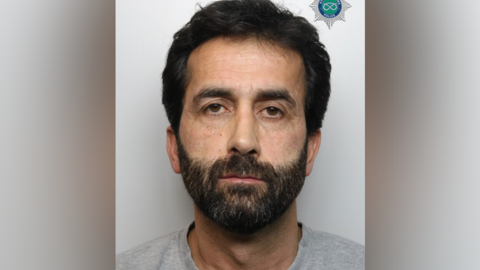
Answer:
[(273, 247)]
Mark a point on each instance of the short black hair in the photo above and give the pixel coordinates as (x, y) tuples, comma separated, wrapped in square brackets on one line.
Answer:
[(264, 21)]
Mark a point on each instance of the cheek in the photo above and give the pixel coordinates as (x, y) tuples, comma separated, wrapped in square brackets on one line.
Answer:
[(284, 146), (202, 141)]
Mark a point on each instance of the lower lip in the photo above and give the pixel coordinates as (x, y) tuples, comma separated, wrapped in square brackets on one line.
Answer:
[(236, 180)]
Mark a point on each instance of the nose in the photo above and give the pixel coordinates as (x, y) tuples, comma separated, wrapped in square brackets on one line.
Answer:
[(243, 139)]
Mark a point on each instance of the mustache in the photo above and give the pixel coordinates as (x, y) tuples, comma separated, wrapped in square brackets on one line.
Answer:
[(197, 172), (243, 165)]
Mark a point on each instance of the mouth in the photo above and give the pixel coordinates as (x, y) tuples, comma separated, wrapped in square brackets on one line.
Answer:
[(241, 179)]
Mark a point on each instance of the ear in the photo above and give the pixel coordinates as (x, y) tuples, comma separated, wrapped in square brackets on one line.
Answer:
[(312, 150), (172, 150)]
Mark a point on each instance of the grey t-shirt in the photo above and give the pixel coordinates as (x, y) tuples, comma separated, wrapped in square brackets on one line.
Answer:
[(317, 250)]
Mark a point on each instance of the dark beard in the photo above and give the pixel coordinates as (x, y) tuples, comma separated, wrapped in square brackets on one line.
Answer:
[(242, 208)]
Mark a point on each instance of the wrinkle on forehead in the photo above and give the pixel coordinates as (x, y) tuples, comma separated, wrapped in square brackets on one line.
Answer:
[(244, 56)]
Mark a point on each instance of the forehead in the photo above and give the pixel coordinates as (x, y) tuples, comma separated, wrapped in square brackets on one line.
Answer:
[(245, 65)]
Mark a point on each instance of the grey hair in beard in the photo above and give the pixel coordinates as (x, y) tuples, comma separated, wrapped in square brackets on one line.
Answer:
[(242, 208)]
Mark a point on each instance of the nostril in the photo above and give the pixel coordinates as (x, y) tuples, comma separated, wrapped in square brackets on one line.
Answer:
[(237, 151), (243, 139)]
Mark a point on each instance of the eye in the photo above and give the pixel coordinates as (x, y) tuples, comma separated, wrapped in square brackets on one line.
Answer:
[(272, 111), (214, 107)]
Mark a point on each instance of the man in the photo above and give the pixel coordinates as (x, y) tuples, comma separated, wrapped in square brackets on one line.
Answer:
[(245, 89)]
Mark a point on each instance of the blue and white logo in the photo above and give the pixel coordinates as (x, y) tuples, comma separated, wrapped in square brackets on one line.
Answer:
[(330, 11)]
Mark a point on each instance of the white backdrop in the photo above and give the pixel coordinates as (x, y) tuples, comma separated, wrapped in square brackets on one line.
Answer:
[(150, 197)]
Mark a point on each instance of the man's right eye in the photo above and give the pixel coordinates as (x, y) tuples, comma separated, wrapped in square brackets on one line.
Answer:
[(214, 108)]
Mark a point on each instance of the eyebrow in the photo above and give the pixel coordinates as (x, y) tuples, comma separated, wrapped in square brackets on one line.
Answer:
[(210, 92), (275, 94), (264, 94)]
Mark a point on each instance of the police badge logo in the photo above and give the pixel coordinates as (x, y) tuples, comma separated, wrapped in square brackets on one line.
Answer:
[(330, 11)]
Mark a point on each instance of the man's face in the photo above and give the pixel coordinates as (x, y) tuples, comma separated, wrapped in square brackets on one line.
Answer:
[(243, 149)]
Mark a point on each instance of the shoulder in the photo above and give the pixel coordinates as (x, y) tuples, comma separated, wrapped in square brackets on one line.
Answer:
[(333, 251), (164, 250)]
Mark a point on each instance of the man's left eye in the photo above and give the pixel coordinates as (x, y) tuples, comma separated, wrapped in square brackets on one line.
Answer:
[(272, 111)]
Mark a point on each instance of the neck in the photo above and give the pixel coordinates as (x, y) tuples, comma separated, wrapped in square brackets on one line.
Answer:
[(273, 247)]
